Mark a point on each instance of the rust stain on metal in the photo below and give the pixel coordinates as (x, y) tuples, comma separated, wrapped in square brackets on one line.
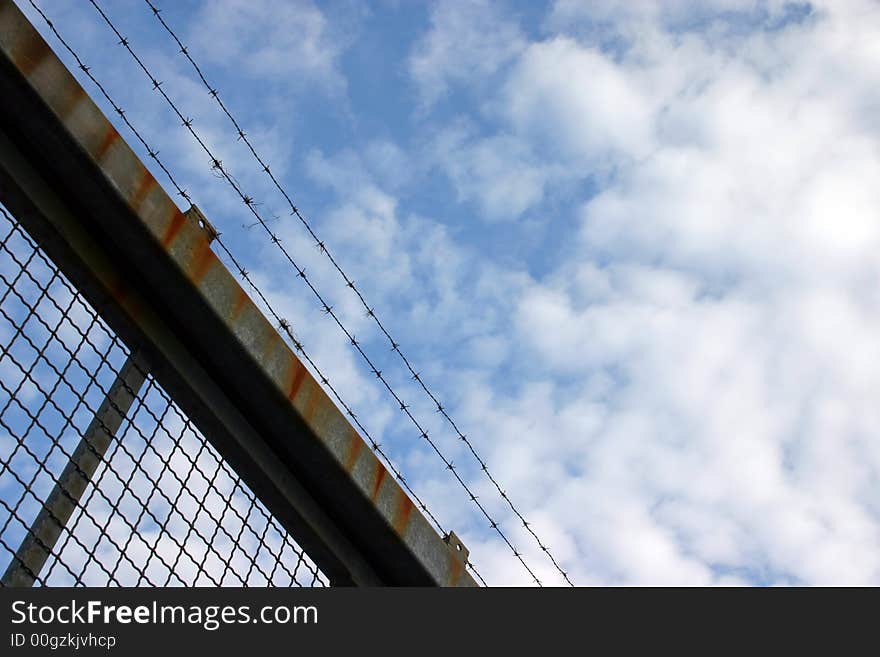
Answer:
[(456, 568), (312, 403), (202, 261), (144, 186), (110, 138), (354, 450), (298, 377), (55, 85), (173, 229), (75, 94), (269, 344), (381, 473), (402, 512), (241, 299), (30, 55)]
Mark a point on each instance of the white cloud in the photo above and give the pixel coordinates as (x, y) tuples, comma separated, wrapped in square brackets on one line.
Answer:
[(469, 40), (698, 401), (499, 174), (684, 391), (270, 40), (687, 394), (580, 102)]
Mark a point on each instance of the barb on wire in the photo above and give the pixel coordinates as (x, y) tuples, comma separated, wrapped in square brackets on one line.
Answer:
[(243, 273), (370, 311), (252, 207), (248, 202), (285, 326)]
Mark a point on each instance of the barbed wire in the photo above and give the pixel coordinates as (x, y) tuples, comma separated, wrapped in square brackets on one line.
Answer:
[(251, 204), (282, 323), (349, 283)]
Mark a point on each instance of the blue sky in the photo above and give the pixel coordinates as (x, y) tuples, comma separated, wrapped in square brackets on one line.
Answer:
[(633, 246)]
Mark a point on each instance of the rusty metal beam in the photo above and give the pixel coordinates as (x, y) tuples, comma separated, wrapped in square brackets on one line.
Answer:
[(149, 269)]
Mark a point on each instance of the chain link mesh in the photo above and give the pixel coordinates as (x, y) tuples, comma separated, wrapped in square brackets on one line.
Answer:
[(153, 503)]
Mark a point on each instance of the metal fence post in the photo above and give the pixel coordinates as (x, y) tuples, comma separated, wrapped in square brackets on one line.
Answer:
[(61, 502)]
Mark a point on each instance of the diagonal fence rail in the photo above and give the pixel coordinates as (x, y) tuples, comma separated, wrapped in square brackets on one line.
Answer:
[(155, 427)]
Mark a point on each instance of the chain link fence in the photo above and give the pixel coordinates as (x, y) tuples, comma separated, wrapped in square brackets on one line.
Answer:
[(104, 481)]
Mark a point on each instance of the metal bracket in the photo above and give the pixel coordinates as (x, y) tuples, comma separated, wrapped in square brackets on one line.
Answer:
[(198, 217), (453, 541)]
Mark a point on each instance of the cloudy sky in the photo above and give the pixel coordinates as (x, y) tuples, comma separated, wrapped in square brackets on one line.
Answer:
[(632, 245)]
